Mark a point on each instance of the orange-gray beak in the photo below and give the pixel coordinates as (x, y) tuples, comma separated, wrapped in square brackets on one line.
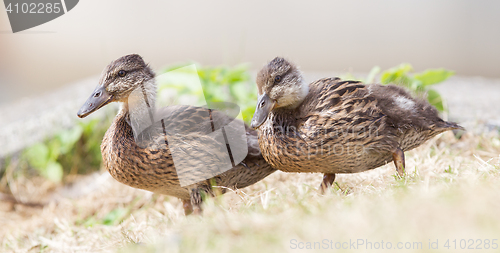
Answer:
[(99, 98), (264, 106)]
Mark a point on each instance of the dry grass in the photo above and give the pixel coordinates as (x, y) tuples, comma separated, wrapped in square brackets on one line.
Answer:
[(452, 191)]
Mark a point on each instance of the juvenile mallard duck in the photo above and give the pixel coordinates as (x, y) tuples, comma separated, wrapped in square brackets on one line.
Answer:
[(151, 167), (333, 126)]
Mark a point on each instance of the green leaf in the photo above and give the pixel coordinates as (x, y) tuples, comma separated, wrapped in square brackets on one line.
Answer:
[(239, 92), (90, 222), (69, 138), (114, 217), (433, 76), (89, 127), (238, 74), (416, 86), (54, 146), (37, 155), (371, 76), (349, 76), (435, 99), (54, 171), (397, 75), (247, 113)]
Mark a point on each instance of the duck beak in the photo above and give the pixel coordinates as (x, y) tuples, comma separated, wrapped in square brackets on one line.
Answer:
[(99, 98), (264, 106)]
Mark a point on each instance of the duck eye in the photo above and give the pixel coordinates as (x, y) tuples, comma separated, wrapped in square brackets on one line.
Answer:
[(262, 104), (277, 79), (97, 94), (122, 73)]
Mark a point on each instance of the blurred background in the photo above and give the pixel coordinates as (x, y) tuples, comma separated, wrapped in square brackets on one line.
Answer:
[(337, 36)]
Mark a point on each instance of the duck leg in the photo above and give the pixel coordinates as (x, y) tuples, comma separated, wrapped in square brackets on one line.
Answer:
[(328, 179), (399, 160), (195, 201), (188, 208)]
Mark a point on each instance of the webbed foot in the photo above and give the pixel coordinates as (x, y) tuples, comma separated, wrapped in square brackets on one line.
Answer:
[(398, 156), (328, 179)]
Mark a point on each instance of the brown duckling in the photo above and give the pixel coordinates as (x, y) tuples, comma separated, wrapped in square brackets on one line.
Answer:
[(151, 167), (333, 126)]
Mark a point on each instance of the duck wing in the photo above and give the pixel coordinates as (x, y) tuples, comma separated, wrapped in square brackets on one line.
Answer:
[(376, 116), (344, 113), (201, 140)]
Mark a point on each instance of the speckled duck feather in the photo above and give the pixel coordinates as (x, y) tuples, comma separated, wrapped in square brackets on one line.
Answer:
[(346, 127)]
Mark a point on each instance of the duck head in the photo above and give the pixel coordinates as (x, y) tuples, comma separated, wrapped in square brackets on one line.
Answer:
[(280, 85), (117, 81)]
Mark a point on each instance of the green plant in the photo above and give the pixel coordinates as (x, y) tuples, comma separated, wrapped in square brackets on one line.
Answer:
[(219, 84), (43, 156), (73, 150), (418, 83)]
